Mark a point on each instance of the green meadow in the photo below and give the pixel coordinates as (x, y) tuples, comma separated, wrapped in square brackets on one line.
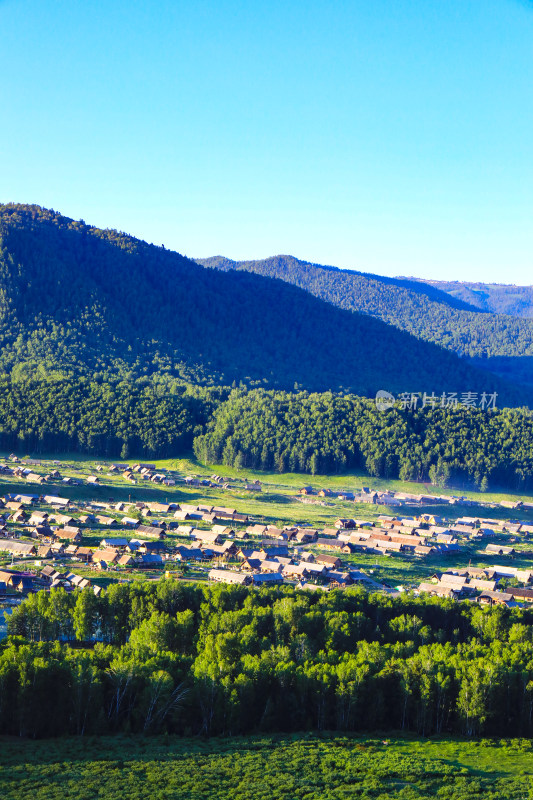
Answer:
[(310, 767)]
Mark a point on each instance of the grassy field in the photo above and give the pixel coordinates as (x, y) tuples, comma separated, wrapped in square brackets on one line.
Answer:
[(325, 767), (347, 481), (277, 502)]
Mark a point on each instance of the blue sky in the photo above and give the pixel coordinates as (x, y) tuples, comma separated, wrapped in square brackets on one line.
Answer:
[(390, 136)]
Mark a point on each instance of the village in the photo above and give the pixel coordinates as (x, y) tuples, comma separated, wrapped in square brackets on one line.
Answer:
[(48, 540)]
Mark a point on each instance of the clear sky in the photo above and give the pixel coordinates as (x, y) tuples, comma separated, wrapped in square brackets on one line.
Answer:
[(391, 136)]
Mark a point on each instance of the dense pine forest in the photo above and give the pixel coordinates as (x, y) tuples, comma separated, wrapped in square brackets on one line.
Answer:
[(77, 300), (324, 434), (268, 430), (193, 659), (499, 342), (114, 420), (499, 298)]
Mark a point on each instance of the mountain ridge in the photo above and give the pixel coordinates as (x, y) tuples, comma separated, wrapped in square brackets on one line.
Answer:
[(499, 343), (498, 298), (421, 287), (82, 300)]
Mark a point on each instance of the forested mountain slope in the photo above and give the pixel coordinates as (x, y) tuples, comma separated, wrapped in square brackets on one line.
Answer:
[(77, 300), (499, 298), (286, 267), (500, 343)]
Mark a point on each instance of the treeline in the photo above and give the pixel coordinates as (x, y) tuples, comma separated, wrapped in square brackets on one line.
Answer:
[(325, 433), (267, 430), (193, 659), (115, 420)]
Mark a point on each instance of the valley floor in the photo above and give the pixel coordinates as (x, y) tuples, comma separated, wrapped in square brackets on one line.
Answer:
[(277, 504), (314, 767)]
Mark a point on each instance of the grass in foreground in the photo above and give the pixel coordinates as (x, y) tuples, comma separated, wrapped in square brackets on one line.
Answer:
[(327, 767)]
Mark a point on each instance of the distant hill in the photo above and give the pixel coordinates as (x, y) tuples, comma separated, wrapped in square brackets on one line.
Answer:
[(500, 343), (498, 298), (77, 300), (286, 267)]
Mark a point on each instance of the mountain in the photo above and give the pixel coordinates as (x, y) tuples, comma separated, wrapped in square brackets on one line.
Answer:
[(286, 267), (499, 343), (76, 300), (498, 298)]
